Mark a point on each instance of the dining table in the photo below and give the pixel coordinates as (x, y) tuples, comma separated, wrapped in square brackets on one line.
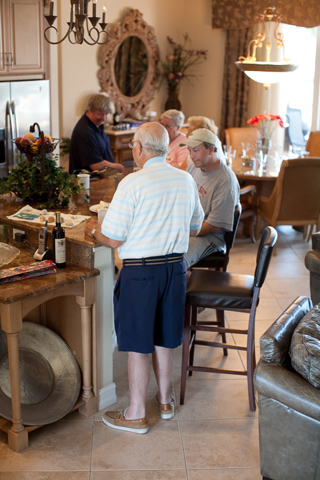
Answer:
[(264, 181)]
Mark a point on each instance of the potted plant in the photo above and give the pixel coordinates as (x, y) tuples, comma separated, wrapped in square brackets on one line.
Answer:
[(36, 178)]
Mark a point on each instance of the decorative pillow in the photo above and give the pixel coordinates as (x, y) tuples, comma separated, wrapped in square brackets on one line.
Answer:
[(305, 347)]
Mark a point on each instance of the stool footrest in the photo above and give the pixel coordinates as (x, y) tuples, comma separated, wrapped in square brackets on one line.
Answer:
[(203, 328), (216, 370), (220, 345)]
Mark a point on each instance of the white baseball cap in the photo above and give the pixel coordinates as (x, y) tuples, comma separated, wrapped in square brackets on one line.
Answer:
[(201, 135)]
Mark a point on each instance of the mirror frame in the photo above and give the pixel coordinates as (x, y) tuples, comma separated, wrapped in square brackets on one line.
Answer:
[(131, 25)]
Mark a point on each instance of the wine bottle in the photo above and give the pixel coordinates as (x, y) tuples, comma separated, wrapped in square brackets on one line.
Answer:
[(59, 243), (116, 117)]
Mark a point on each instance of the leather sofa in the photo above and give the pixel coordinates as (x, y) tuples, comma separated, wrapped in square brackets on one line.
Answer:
[(312, 261), (289, 406)]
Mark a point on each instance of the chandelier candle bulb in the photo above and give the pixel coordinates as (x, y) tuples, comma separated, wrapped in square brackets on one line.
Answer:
[(51, 8), (94, 8), (104, 14)]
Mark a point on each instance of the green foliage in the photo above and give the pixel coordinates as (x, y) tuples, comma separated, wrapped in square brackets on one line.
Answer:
[(25, 181), (65, 145)]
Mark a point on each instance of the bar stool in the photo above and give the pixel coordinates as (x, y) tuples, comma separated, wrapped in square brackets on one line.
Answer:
[(224, 291), (220, 260)]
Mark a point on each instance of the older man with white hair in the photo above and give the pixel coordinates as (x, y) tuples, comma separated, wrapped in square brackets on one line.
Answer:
[(172, 120), (150, 218)]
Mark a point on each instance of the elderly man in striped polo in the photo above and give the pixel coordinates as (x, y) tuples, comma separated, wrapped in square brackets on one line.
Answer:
[(150, 219)]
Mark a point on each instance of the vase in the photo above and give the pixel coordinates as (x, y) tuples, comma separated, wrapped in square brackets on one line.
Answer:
[(173, 101), (263, 149)]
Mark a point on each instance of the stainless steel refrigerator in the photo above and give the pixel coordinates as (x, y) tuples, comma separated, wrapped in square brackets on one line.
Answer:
[(22, 104)]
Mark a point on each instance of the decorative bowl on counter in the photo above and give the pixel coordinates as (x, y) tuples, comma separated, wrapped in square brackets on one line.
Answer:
[(31, 147), (7, 253)]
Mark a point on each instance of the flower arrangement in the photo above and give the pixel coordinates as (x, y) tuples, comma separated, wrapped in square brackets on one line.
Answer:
[(179, 61), (266, 123)]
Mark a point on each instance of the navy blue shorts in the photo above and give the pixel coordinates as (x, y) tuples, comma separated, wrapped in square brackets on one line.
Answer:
[(149, 302)]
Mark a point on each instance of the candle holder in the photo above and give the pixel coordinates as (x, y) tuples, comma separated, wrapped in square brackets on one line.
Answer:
[(79, 24)]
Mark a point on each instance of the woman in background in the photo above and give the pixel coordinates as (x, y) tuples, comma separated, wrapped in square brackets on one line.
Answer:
[(172, 120)]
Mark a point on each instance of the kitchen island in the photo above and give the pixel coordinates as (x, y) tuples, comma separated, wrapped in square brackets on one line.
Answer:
[(63, 316)]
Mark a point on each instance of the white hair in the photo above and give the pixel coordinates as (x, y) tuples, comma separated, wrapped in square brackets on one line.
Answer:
[(175, 115), (153, 138)]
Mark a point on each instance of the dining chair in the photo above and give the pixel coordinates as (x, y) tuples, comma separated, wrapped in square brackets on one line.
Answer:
[(236, 136), (219, 260), (295, 128), (313, 144), (295, 199), (248, 195), (224, 291)]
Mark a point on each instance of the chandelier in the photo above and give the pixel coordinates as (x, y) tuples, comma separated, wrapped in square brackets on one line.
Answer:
[(266, 72), (79, 25)]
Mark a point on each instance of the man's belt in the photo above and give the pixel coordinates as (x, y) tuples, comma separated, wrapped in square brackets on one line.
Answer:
[(135, 262)]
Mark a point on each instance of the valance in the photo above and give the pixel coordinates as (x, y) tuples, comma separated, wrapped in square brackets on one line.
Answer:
[(235, 14)]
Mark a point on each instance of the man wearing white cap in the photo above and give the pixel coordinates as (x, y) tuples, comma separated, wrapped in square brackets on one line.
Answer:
[(219, 194)]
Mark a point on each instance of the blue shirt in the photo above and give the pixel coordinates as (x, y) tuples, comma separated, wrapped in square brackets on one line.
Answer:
[(89, 144), (153, 211)]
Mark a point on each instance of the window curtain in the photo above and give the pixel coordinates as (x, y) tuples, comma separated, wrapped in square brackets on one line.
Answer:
[(237, 16), (235, 93), (234, 14)]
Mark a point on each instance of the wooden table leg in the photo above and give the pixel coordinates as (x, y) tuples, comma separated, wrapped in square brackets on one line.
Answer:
[(17, 436), (85, 304), (11, 324)]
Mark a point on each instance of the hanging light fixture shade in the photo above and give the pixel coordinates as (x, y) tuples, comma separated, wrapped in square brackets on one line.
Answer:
[(266, 72), (81, 27)]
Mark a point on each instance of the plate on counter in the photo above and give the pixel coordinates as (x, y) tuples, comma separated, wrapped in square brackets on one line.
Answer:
[(95, 208)]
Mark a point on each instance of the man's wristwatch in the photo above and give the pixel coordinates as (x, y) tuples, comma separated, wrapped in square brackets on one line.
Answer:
[(93, 232)]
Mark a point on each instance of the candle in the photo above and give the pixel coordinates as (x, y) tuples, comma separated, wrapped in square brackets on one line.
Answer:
[(94, 8), (82, 7), (104, 14), (51, 8)]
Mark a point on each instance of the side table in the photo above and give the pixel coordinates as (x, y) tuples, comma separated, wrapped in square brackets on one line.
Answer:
[(17, 299)]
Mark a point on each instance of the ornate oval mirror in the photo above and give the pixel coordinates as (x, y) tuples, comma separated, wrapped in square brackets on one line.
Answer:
[(129, 64)]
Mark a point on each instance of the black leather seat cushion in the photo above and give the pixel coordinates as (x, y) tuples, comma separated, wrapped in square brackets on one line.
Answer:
[(214, 260), (305, 347), (207, 288)]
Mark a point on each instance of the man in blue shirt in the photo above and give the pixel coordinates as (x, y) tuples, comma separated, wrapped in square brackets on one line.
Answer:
[(90, 145)]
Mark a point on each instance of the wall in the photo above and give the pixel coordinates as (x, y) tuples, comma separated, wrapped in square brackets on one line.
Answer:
[(75, 67)]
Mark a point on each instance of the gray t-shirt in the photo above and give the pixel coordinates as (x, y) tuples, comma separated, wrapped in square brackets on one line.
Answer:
[(219, 193)]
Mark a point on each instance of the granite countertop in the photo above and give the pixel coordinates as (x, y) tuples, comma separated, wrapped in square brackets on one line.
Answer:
[(14, 291), (101, 189)]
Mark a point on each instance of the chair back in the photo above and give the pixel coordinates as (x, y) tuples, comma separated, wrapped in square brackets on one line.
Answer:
[(296, 196), (295, 132), (230, 236), (268, 240), (236, 136), (313, 144)]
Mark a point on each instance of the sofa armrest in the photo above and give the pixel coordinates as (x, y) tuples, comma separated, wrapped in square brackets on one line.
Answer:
[(288, 388), (316, 241), (275, 342), (312, 261)]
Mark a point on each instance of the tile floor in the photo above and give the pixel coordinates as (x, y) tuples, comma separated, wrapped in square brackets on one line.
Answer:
[(213, 436)]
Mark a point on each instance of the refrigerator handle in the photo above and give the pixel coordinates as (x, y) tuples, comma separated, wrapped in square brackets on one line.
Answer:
[(15, 119), (9, 150)]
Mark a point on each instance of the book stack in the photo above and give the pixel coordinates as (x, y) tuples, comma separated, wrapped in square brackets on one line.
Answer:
[(27, 271)]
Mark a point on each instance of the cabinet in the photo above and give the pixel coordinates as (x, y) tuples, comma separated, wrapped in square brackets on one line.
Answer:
[(119, 143), (22, 43)]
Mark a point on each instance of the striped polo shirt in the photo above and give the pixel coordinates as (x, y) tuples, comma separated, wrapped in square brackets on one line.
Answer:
[(153, 211)]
